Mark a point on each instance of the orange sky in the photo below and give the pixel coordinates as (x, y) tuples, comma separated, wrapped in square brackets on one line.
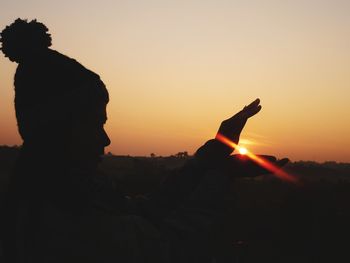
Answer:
[(175, 69)]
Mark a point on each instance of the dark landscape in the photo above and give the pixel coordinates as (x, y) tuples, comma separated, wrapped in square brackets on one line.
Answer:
[(270, 221)]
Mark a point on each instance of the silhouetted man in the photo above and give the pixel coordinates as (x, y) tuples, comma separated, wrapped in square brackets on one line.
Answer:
[(61, 209), (60, 110)]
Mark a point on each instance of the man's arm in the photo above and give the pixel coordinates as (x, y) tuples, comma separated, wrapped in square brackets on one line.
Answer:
[(211, 156)]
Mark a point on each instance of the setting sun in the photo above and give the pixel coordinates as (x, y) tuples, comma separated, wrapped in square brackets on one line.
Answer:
[(242, 150)]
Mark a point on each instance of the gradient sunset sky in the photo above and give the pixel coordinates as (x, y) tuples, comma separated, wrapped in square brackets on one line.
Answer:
[(176, 69)]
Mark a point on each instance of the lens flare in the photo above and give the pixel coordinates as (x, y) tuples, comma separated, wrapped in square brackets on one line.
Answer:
[(275, 170)]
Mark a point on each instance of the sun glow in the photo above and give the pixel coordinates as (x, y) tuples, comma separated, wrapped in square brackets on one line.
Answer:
[(242, 150), (275, 170)]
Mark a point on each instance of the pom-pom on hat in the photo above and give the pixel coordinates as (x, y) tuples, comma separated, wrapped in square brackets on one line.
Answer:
[(22, 38)]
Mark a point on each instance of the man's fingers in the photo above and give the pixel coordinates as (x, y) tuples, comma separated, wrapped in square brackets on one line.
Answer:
[(252, 105), (252, 109), (248, 111)]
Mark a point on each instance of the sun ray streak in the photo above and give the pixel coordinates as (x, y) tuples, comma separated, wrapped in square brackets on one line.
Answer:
[(275, 170)]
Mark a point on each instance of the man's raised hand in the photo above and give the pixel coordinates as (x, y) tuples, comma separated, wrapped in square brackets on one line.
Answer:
[(232, 127)]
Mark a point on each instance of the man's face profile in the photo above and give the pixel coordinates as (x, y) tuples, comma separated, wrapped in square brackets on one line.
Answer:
[(90, 138)]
